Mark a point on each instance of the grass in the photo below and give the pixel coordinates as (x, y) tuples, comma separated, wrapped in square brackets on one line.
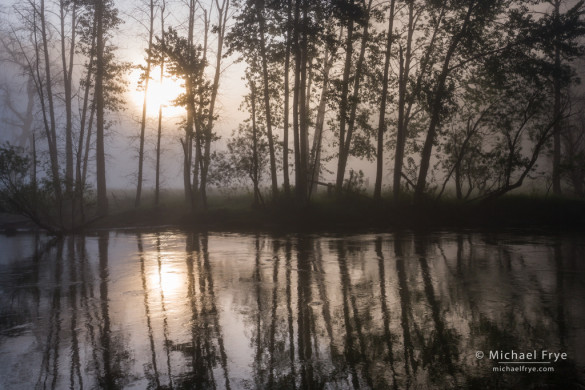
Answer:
[(352, 212)]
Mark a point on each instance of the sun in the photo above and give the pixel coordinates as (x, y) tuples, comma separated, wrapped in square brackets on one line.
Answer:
[(159, 93)]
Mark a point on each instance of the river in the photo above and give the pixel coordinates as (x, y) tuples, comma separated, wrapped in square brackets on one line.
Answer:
[(173, 309)]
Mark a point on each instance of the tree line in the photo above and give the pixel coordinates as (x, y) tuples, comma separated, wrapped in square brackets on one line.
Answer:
[(68, 106), (463, 93)]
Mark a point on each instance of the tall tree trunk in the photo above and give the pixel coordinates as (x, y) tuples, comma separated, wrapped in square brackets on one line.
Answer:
[(88, 143), (401, 128), (157, 166), (67, 62), (255, 166), (197, 162), (187, 145), (50, 126), (344, 102), (320, 122), (285, 171), (102, 197), (222, 14), (296, 96), (556, 173), (383, 99), (160, 113), (187, 141), (144, 106), (437, 106), (79, 178), (200, 131), (410, 99), (303, 112), (264, 58), (34, 170), (344, 155)]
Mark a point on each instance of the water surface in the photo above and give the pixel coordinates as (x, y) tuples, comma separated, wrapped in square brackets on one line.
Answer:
[(170, 309)]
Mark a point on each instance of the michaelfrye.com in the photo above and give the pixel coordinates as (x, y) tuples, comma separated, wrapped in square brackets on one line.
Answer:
[(522, 361)]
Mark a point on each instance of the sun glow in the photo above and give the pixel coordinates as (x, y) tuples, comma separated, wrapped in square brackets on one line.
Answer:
[(158, 94)]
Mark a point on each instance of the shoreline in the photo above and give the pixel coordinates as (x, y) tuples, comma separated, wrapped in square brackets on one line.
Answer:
[(342, 216)]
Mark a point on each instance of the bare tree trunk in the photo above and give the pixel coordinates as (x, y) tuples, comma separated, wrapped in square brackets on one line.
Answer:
[(383, 99), (144, 106)]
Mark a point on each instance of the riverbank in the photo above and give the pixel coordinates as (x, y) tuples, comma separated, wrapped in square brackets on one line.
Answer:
[(348, 214)]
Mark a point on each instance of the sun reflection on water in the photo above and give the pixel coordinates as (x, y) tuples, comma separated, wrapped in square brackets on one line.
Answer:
[(167, 275)]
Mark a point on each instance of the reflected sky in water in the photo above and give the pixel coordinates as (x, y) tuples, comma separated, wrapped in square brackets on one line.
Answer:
[(176, 310)]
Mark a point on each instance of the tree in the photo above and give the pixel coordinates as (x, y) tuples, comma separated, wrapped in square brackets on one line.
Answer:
[(249, 37), (505, 129), (324, 76), (160, 113), (185, 60), (67, 58), (348, 106), (557, 35), (16, 188), (462, 147), (107, 72), (45, 90), (573, 161), (102, 197), (223, 10), (411, 85), (87, 29), (247, 157), (466, 32), (383, 101), (16, 116), (146, 79), (21, 194)]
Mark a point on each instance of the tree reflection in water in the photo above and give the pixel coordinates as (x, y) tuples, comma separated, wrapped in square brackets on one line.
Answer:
[(172, 310)]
